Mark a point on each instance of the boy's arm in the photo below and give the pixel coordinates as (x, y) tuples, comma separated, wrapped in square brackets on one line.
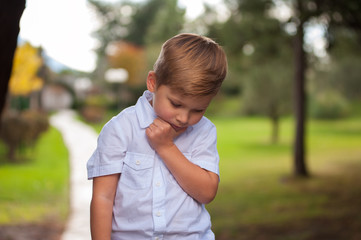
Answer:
[(101, 207), (199, 183)]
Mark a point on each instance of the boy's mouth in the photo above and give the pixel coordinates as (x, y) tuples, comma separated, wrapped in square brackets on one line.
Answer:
[(176, 128)]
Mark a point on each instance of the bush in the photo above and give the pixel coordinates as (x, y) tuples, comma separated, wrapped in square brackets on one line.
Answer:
[(329, 105), (19, 129), (94, 108), (93, 114)]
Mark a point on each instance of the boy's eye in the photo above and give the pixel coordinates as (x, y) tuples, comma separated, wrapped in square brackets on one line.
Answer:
[(175, 104), (199, 111)]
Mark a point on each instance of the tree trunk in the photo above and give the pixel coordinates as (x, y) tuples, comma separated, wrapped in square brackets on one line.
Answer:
[(11, 153), (275, 129), (10, 14), (300, 168)]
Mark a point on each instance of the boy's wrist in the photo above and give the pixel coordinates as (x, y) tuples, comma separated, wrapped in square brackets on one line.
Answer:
[(164, 149)]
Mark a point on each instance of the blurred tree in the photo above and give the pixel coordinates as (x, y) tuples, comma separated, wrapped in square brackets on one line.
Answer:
[(143, 17), (335, 81), (336, 84), (130, 57), (345, 61), (259, 50), (10, 14), (338, 13), (114, 20), (24, 79), (138, 23), (268, 93), (167, 23), (247, 27)]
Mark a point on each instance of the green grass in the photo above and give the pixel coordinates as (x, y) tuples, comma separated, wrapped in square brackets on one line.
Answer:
[(256, 185), (37, 189)]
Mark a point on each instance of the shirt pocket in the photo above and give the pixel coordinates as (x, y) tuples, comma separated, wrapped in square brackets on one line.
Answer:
[(137, 170)]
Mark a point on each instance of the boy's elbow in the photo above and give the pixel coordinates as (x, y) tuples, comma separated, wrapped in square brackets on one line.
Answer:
[(209, 195), (207, 199)]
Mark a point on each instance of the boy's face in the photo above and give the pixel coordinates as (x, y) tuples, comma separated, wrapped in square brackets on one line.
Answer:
[(179, 111)]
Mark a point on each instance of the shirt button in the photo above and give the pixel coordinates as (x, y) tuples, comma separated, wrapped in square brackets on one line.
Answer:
[(137, 162), (157, 184), (159, 214), (157, 238)]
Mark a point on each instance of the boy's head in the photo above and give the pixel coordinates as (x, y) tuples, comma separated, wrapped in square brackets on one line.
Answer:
[(191, 65)]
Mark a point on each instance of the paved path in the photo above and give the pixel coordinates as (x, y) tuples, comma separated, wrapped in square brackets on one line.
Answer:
[(80, 140)]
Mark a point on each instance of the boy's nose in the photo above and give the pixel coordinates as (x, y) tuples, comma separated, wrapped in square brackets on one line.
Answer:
[(182, 118)]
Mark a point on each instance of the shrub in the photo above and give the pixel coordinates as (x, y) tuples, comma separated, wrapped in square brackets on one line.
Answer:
[(94, 108), (20, 129), (93, 114), (329, 105)]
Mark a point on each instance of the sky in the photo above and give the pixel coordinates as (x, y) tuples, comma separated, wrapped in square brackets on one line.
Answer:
[(63, 28)]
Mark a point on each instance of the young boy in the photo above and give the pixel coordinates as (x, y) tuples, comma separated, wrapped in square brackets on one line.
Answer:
[(156, 163)]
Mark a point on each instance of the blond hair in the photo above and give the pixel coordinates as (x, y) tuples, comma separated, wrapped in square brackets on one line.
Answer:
[(191, 65)]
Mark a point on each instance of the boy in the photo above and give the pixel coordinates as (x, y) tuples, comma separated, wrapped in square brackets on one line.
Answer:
[(156, 163)]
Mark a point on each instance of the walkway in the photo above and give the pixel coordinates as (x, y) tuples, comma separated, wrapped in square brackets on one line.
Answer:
[(80, 140)]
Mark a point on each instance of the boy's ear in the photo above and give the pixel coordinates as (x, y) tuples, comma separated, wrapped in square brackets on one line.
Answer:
[(151, 81)]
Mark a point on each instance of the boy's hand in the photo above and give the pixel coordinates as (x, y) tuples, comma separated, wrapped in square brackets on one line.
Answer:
[(161, 134)]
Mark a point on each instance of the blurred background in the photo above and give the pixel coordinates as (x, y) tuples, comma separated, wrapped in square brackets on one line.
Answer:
[(288, 114)]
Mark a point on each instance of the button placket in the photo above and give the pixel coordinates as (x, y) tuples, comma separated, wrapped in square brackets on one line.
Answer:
[(158, 199)]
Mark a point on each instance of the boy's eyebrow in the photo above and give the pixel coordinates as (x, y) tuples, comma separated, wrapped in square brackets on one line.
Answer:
[(173, 99), (179, 101)]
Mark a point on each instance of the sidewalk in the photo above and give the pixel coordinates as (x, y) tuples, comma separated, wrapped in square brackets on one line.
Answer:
[(80, 141)]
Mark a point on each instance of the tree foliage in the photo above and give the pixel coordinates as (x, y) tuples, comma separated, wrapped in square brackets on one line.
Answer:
[(259, 53), (130, 57), (24, 79), (139, 24), (268, 92), (346, 14), (168, 22), (254, 36)]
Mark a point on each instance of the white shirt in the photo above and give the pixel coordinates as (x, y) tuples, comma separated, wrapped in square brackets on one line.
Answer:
[(149, 203)]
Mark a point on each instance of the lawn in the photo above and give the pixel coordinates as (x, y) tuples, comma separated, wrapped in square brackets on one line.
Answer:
[(259, 199), (36, 190)]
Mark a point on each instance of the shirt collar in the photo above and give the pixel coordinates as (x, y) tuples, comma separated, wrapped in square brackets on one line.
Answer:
[(145, 112)]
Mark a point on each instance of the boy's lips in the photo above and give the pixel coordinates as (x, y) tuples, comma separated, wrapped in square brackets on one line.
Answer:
[(176, 128)]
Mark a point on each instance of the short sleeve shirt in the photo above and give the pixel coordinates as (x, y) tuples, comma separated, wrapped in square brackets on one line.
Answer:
[(149, 203)]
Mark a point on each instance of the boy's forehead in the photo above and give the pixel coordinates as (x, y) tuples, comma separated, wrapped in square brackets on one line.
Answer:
[(179, 93), (200, 100)]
